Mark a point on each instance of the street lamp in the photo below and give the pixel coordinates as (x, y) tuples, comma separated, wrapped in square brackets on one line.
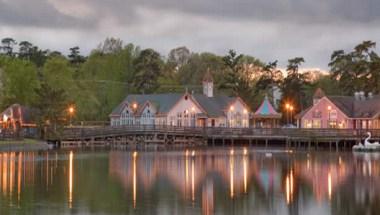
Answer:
[(71, 113), (287, 107)]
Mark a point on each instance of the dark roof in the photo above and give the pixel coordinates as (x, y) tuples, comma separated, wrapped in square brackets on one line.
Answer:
[(214, 106), (163, 102), (354, 108)]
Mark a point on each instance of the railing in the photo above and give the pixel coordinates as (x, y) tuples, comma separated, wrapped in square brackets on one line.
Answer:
[(78, 132)]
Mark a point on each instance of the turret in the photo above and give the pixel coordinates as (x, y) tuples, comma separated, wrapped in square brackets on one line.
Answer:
[(208, 84)]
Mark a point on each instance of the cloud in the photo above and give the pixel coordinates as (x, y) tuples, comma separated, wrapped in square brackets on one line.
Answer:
[(267, 29)]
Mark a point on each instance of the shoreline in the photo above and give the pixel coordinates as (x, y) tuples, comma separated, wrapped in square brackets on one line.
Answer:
[(23, 145)]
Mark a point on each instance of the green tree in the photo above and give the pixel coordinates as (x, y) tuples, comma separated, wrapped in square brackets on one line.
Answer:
[(103, 82), (240, 74), (25, 50), (358, 70), (75, 57), (110, 45), (191, 73), (7, 46), (38, 56), (271, 76), (148, 66), (18, 81), (58, 74), (51, 104), (294, 86)]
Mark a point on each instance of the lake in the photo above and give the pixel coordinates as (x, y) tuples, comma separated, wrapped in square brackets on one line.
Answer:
[(192, 181)]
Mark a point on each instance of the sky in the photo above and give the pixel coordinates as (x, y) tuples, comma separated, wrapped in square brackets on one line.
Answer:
[(267, 29)]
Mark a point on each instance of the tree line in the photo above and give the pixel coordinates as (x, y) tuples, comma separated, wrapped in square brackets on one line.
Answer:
[(95, 84)]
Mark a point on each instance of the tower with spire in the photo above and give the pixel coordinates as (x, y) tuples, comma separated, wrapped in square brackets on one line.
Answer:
[(208, 84)]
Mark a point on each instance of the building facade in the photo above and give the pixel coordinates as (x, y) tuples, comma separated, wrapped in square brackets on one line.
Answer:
[(342, 112), (183, 110)]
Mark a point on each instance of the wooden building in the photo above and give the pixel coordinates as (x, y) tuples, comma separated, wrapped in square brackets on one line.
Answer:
[(183, 110)]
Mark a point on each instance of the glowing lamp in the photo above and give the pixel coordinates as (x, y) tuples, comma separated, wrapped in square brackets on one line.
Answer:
[(71, 110)]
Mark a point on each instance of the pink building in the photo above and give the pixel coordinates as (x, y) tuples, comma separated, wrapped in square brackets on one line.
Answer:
[(345, 112)]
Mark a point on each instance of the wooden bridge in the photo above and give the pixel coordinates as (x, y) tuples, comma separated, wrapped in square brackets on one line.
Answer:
[(193, 136)]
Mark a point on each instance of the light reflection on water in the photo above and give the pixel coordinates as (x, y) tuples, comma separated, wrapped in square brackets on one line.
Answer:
[(213, 181)]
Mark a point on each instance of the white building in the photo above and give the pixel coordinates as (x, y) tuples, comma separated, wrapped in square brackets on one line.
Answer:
[(200, 110)]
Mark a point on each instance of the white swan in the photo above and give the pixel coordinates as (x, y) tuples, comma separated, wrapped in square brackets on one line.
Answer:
[(359, 146), (367, 145)]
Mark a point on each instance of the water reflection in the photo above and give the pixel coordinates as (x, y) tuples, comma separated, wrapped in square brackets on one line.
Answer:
[(71, 179), (225, 181)]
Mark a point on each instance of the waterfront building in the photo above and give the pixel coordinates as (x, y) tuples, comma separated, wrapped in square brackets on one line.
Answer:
[(266, 116), (186, 109), (346, 112), (18, 118)]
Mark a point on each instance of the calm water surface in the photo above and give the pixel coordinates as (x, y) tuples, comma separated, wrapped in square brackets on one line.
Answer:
[(213, 181)]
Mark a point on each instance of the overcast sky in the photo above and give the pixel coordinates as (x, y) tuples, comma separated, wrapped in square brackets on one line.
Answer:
[(267, 29)]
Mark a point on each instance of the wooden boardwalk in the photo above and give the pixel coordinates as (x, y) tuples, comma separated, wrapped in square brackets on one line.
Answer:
[(192, 136)]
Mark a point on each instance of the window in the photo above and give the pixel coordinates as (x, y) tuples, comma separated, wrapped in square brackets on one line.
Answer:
[(186, 118), (317, 114), (332, 124), (333, 114), (307, 123), (316, 124), (193, 119), (179, 119)]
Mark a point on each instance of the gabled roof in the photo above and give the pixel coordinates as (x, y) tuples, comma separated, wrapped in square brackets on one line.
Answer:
[(266, 110), (354, 108), (162, 102), (213, 106)]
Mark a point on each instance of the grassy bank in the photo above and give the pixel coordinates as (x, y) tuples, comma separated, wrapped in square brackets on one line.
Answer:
[(23, 145)]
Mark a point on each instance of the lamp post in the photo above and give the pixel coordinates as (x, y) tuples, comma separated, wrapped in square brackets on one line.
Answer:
[(71, 113), (287, 106)]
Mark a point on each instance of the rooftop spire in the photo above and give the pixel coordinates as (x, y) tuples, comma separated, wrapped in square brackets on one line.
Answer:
[(208, 84), (208, 76)]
